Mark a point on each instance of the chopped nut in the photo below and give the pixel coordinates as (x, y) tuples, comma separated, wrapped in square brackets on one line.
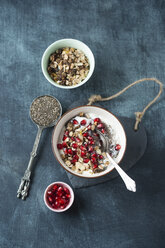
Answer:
[(71, 134), (81, 114), (68, 163), (98, 151), (79, 167), (62, 156), (93, 127)]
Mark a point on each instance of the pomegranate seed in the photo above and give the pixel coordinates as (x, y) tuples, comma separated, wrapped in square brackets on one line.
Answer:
[(90, 138), (66, 190), (61, 201), (59, 194), (83, 122), (86, 160), (73, 161), (55, 187), (53, 205), (68, 195), (83, 153), (59, 146), (57, 205), (100, 126), (74, 145), (66, 132), (78, 140), (64, 144), (95, 166), (97, 120), (94, 155), (117, 147), (89, 127), (76, 157), (85, 144), (49, 192), (75, 122), (60, 189), (103, 130), (50, 199), (70, 151), (65, 151), (64, 137), (93, 159), (90, 149), (85, 134), (100, 156), (82, 148), (91, 142), (75, 152), (72, 138)]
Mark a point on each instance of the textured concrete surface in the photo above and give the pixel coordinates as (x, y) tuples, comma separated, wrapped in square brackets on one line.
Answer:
[(128, 41)]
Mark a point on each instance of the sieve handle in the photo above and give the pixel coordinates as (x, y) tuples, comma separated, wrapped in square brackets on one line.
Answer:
[(25, 181)]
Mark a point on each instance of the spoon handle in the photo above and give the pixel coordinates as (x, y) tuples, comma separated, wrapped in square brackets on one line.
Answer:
[(25, 181), (129, 182)]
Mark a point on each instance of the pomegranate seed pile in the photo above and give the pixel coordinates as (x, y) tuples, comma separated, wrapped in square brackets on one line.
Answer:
[(81, 145), (58, 196)]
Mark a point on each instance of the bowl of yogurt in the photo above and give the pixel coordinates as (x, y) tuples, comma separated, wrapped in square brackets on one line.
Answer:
[(77, 146)]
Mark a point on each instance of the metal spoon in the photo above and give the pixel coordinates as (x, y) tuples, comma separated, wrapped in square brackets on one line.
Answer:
[(25, 181), (129, 182)]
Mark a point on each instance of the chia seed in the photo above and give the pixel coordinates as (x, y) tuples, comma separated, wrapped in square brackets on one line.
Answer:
[(45, 110)]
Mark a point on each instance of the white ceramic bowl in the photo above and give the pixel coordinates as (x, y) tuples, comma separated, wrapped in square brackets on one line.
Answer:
[(71, 199), (67, 43), (108, 118)]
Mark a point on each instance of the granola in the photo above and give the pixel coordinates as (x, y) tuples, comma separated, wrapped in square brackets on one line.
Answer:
[(68, 66)]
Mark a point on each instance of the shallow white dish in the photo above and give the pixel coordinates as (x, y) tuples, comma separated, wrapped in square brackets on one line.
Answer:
[(67, 43), (108, 118)]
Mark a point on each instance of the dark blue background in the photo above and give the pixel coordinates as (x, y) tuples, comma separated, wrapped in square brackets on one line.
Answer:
[(127, 38)]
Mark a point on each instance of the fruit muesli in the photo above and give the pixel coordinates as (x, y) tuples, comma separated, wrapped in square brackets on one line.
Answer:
[(80, 148)]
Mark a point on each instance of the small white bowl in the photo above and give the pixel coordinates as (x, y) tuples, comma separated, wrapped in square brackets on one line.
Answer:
[(71, 199), (67, 43), (108, 118)]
